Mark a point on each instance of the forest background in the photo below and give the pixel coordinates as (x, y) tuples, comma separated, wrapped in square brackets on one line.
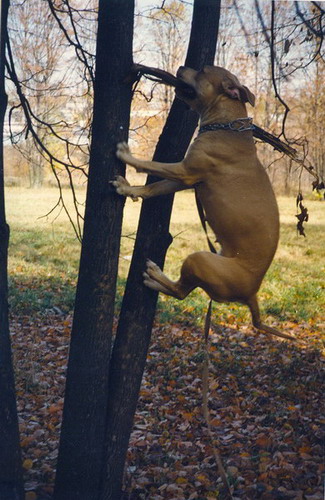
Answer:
[(60, 92)]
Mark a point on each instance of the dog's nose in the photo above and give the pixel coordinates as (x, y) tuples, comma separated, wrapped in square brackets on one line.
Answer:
[(180, 70)]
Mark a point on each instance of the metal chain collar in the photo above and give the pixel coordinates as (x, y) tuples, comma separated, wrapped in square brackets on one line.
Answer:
[(239, 125)]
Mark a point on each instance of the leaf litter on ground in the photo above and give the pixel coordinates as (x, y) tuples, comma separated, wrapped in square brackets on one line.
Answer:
[(266, 410)]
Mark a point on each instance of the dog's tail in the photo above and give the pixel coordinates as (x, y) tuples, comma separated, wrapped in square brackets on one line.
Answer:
[(256, 319)]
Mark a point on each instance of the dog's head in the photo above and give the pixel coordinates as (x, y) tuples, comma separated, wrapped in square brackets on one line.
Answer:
[(200, 88)]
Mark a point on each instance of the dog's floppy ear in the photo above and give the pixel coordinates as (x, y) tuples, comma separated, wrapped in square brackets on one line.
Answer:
[(233, 88), (247, 95)]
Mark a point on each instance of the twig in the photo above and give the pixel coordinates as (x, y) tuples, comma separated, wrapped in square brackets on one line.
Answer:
[(273, 58)]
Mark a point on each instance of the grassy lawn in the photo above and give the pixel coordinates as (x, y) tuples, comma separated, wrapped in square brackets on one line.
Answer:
[(44, 256)]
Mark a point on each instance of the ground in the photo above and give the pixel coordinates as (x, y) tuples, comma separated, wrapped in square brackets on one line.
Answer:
[(265, 404)]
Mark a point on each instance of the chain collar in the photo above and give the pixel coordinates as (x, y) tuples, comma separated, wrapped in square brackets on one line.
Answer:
[(239, 125)]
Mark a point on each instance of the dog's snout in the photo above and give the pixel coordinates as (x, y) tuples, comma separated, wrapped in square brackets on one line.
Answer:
[(180, 70)]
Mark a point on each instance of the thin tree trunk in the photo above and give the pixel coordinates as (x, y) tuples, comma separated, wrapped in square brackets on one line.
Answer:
[(82, 435), (11, 485), (153, 238)]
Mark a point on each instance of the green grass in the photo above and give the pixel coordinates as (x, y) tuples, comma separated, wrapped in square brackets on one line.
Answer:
[(44, 256)]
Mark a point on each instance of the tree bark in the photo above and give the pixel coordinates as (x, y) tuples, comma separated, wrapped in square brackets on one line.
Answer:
[(153, 238), (82, 436), (11, 485)]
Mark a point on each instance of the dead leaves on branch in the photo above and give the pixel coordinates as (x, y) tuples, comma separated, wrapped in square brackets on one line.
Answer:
[(302, 216), (265, 402)]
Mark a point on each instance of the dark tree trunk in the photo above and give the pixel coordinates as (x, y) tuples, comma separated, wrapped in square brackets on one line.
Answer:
[(82, 435), (153, 238), (11, 486)]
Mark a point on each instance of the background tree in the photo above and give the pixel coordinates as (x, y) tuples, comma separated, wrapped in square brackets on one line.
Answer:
[(285, 31), (11, 487), (168, 41), (38, 50), (161, 38), (62, 85)]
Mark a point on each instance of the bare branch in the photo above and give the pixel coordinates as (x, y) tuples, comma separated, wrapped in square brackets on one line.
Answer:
[(273, 58)]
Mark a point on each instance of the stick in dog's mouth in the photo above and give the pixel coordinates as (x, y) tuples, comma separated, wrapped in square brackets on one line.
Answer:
[(161, 76)]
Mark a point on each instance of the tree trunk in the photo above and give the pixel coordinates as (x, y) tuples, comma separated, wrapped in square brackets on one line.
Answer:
[(11, 485), (153, 238), (82, 436)]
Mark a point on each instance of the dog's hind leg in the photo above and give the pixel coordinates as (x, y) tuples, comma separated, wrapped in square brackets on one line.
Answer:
[(221, 277), (256, 319)]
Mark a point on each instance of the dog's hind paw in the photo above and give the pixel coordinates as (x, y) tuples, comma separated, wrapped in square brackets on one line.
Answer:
[(153, 270), (154, 277), (150, 283)]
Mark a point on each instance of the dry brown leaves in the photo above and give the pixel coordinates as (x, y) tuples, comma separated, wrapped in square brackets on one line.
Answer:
[(265, 404)]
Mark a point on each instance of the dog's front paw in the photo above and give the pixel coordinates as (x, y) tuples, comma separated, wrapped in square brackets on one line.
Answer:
[(121, 185), (123, 188), (123, 152)]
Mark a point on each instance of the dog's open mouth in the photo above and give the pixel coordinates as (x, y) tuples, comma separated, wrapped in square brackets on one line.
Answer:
[(184, 90)]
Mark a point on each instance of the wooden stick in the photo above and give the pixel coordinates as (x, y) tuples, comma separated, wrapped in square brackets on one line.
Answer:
[(159, 75)]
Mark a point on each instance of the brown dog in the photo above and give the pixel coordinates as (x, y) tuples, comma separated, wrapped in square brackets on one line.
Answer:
[(232, 186)]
